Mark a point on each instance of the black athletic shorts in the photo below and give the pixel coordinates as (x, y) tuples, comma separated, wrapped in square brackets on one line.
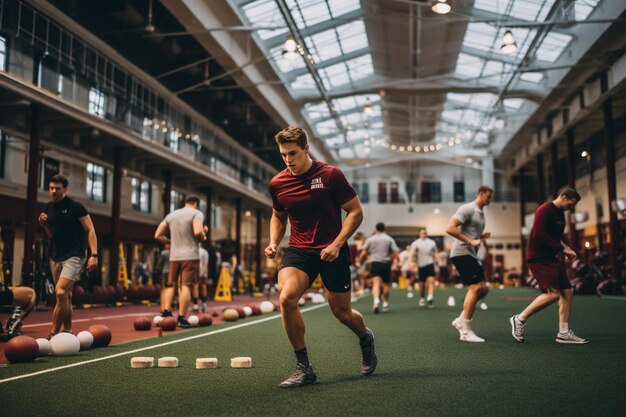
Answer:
[(426, 271), (381, 269), (6, 297), (470, 270), (335, 274)]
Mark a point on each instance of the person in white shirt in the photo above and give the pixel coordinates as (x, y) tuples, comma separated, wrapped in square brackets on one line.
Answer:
[(467, 227), (406, 268), (427, 252), (381, 248)]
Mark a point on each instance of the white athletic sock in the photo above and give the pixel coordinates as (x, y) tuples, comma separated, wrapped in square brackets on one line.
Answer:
[(385, 304), (376, 302), (521, 317), (466, 325), (563, 327), (430, 297)]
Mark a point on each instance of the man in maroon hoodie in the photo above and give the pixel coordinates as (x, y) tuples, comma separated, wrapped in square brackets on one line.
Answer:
[(544, 249)]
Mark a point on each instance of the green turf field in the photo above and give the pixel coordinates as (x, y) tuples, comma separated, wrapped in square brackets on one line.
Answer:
[(423, 368)]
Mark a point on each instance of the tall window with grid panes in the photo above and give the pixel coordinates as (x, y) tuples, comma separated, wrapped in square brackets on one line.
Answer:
[(96, 182)]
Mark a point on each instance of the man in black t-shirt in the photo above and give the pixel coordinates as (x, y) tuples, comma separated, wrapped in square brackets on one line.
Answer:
[(66, 222)]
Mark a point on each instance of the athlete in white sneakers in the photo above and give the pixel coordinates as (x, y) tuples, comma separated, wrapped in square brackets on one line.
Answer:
[(406, 269), (467, 226), (544, 247), (381, 248), (427, 252)]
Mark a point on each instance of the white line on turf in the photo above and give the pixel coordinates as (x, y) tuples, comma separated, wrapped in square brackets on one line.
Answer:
[(119, 316), (608, 297), (198, 336)]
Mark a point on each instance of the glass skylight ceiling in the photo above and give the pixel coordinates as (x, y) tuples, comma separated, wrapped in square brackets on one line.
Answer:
[(336, 49), (481, 62)]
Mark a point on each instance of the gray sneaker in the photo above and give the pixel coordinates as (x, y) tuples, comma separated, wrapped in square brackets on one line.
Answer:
[(517, 328), (570, 338), (300, 376), (369, 359)]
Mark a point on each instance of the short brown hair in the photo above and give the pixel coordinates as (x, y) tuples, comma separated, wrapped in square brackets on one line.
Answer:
[(58, 178), (484, 189), (192, 199), (569, 193), (292, 134)]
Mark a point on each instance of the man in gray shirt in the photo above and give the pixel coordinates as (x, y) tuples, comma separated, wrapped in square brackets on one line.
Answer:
[(185, 227), (467, 226), (380, 247), (427, 252)]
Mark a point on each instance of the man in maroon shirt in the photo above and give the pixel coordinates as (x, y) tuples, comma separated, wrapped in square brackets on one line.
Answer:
[(544, 248), (310, 196)]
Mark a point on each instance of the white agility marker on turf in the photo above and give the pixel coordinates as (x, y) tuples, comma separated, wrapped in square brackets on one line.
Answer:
[(168, 362), (451, 301), (142, 362), (241, 362), (206, 363)]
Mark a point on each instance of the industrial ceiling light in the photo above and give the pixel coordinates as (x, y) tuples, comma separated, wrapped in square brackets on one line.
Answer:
[(289, 49), (508, 43), (290, 44), (441, 7), (368, 106)]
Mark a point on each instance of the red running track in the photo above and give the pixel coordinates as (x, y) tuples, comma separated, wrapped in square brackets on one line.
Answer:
[(119, 319)]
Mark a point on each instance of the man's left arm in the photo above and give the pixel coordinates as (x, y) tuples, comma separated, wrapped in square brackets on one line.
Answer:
[(352, 221), (92, 240)]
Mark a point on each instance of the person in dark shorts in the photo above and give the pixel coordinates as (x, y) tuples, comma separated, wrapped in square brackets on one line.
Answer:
[(186, 230), (381, 248), (310, 195), (66, 222), (545, 246), (467, 226), (427, 253)]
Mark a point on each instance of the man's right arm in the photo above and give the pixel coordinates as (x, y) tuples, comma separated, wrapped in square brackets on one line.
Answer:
[(43, 221), (278, 226)]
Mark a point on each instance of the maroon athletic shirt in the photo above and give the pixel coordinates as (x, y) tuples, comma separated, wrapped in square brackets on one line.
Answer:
[(313, 203), (545, 238)]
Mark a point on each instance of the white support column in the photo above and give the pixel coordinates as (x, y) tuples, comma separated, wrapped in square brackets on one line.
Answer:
[(488, 175)]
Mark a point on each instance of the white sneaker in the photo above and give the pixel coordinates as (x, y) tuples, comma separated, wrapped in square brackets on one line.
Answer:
[(385, 307), (422, 302), (570, 338), (517, 328), (458, 325), (410, 294), (470, 336)]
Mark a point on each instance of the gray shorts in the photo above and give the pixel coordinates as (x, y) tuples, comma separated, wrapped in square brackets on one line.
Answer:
[(70, 268)]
